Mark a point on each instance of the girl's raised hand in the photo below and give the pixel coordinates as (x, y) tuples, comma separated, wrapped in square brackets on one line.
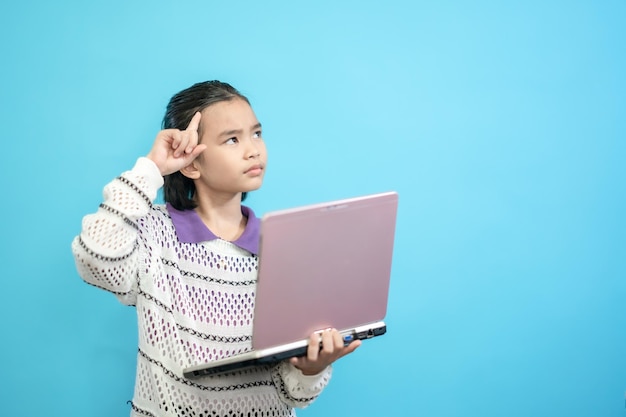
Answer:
[(174, 149)]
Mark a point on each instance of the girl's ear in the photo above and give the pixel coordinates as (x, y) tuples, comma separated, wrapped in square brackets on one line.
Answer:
[(191, 171)]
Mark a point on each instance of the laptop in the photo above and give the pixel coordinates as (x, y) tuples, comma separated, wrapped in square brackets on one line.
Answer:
[(325, 265)]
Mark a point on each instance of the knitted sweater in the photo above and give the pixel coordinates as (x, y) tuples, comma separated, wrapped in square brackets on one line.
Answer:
[(194, 302)]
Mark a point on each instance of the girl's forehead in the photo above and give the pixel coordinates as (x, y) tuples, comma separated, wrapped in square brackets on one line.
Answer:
[(228, 110), (227, 115)]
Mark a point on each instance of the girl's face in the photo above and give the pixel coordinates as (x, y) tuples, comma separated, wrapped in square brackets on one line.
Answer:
[(235, 158)]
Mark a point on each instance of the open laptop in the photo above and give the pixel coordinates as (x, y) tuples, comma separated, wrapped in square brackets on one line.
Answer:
[(321, 266)]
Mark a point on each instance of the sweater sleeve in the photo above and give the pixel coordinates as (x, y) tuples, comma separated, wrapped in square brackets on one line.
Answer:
[(106, 250), (297, 389)]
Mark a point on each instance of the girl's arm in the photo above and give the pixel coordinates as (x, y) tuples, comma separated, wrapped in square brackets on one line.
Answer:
[(106, 250), (295, 388), (300, 380)]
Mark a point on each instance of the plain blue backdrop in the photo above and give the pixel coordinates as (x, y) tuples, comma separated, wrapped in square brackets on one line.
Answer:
[(501, 124)]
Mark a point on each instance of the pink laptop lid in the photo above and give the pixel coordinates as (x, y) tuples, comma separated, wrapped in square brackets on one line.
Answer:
[(324, 265)]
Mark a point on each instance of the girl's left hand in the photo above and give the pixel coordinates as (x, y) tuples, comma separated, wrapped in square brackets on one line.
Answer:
[(319, 357)]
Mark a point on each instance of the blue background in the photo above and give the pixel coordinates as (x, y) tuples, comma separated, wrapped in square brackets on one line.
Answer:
[(501, 125)]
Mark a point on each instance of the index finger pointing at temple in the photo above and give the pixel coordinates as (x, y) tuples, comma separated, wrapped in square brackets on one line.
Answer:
[(195, 122)]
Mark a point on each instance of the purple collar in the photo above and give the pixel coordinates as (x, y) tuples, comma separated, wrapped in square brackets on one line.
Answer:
[(191, 229)]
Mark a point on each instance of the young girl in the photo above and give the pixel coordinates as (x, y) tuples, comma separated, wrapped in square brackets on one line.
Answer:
[(190, 266)]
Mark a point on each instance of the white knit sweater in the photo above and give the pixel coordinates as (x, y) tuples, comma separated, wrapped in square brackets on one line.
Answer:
[(194, 302)]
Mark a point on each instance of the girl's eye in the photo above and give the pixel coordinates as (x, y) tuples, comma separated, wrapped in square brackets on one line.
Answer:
[(231, 141), (257, 135)]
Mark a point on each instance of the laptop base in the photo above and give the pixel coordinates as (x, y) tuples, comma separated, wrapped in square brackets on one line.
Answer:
[(268, 357)]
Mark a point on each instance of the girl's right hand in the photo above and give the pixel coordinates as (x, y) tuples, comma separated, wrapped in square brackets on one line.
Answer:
[(174, 149)]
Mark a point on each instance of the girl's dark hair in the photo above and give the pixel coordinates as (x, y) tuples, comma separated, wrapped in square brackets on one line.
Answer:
[(179, 190)]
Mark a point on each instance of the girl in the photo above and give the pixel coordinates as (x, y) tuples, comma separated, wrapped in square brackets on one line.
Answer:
[(190, 266)]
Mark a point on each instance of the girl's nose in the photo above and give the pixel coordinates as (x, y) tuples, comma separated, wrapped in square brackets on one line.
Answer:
[(253, 150)]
